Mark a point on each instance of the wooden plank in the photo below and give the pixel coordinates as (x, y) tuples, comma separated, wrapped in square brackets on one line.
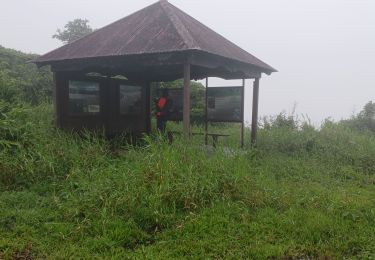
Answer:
[(186, 106), (243, 113), (254, 121)]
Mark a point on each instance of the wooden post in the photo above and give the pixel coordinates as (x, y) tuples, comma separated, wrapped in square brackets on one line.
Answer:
[(54, 98), (206, 115), (254, 121), (148, 106), (186, 106), (243, 113), (57, 97)]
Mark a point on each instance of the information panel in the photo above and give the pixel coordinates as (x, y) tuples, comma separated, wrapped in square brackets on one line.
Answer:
[(84, 97), (224, 104)]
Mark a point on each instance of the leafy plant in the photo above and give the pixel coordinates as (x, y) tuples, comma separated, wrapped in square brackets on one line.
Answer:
[(14, 130)]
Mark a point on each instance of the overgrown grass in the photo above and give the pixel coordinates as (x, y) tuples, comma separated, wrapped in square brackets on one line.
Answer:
[(301, 193)]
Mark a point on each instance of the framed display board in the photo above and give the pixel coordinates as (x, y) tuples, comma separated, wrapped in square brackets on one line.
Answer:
[(84, 97), (224, 104)]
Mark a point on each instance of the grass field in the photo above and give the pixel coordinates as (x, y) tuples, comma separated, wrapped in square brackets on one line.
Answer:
[(301, 193)]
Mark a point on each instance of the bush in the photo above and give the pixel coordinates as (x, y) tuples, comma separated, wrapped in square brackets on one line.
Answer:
[(14, 128), (21, 81)]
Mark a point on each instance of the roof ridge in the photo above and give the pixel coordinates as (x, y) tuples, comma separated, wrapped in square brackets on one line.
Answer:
[(182, 31)]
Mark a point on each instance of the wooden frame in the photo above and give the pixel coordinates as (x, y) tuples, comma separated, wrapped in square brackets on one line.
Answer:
[(242, 121)]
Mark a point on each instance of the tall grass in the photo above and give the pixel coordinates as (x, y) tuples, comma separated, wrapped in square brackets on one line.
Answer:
[(301, 193)]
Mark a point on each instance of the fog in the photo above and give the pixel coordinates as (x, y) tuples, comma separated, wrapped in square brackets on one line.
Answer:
[(324, 50)]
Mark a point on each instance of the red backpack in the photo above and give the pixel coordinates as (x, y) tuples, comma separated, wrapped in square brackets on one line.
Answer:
[(162, 102)]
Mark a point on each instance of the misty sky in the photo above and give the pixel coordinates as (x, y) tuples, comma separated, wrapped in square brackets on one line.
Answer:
[(324, 49)]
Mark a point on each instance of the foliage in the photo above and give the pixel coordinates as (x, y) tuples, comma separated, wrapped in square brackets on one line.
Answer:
[(13, 126), (22, 81), (364, 120), (73, 31), (280, 121)]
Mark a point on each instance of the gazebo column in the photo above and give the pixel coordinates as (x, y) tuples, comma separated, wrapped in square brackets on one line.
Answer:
[(58, 97), (254, 121), (186, 106), (148, 107)]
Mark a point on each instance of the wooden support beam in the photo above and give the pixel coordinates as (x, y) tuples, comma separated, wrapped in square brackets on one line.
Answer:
[(254, 121), (186, 106), (206, 114), (57, 97), (54, 94), (148, 106), (243, 113)]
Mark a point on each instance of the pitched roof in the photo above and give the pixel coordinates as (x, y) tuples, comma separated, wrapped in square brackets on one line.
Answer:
[(158, 28)]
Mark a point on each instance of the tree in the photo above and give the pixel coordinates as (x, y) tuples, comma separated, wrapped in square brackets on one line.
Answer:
[(368, 111), (364, 120), (366, 117), (73, 31)]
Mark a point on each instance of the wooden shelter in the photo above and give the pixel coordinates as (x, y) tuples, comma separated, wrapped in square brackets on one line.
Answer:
[(157, 43)]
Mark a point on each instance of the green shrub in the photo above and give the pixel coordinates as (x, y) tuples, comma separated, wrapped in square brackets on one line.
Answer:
[(14, 128), (21, 81)]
